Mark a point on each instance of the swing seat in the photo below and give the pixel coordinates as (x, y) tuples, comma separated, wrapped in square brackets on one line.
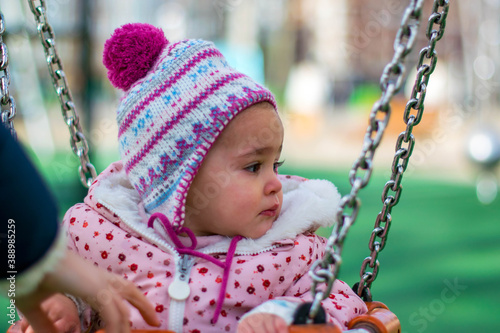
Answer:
[(378, 319), (314, 328)]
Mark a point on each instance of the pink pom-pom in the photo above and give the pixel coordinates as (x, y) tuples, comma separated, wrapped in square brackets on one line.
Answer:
[(131, 52)]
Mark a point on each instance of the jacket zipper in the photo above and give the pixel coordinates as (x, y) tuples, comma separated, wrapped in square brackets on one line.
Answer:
[(177, 308), (185, 267)]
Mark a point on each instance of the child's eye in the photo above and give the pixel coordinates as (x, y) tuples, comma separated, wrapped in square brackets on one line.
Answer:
[(277, 165), (254, 167)]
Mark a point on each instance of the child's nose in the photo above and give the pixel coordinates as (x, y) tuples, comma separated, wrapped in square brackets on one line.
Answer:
[(273, 184)]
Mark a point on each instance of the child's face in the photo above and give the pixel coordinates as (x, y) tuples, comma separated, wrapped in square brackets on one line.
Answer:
[(236, 190)]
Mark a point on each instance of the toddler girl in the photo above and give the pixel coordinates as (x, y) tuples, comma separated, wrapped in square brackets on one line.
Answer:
[(195, 213)]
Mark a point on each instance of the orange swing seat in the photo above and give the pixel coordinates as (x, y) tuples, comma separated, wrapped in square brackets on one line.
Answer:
[(378, 319)]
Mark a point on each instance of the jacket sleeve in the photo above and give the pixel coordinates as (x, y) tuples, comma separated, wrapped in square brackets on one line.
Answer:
[(341, 306), (29, 213), (31, 240)]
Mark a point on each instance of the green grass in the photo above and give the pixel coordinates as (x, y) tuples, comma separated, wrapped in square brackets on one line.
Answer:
[(440, 268)]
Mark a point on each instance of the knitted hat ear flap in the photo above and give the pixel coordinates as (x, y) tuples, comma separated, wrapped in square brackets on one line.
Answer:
[(173, 111)]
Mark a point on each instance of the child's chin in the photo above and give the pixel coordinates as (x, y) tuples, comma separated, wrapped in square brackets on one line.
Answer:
[(258, 234)]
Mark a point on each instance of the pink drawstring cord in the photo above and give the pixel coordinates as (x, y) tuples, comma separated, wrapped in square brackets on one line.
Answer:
[(190, 250)]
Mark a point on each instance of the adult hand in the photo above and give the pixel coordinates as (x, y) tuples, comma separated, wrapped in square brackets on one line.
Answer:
[(104, 291)]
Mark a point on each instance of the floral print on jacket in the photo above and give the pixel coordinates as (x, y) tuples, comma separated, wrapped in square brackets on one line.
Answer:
[(110, 230)]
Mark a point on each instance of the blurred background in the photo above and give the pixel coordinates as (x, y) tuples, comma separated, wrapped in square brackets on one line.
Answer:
[(323, 60)]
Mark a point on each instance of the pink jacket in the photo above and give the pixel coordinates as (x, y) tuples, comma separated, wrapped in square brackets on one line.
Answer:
[(110, 229)]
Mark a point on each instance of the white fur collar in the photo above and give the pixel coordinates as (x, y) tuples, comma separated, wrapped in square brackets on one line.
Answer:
[(307, 205)]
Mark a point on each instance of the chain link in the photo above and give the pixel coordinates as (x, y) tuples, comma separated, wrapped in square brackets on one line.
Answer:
[(390, 82), (78, 141), (392, 189), (7, 102)]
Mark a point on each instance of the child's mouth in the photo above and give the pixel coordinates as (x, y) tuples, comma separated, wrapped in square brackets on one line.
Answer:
[(273, 211)]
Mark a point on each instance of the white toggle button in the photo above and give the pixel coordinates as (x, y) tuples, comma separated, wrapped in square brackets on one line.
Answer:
[(179, 290)]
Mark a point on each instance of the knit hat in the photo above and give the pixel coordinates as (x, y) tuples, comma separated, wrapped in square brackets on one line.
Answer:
[(178, 98)]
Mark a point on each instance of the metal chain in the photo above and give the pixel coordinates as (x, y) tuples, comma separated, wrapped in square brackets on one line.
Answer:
[(404, 144), (78, 141), (324, 271), (8, 104)]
